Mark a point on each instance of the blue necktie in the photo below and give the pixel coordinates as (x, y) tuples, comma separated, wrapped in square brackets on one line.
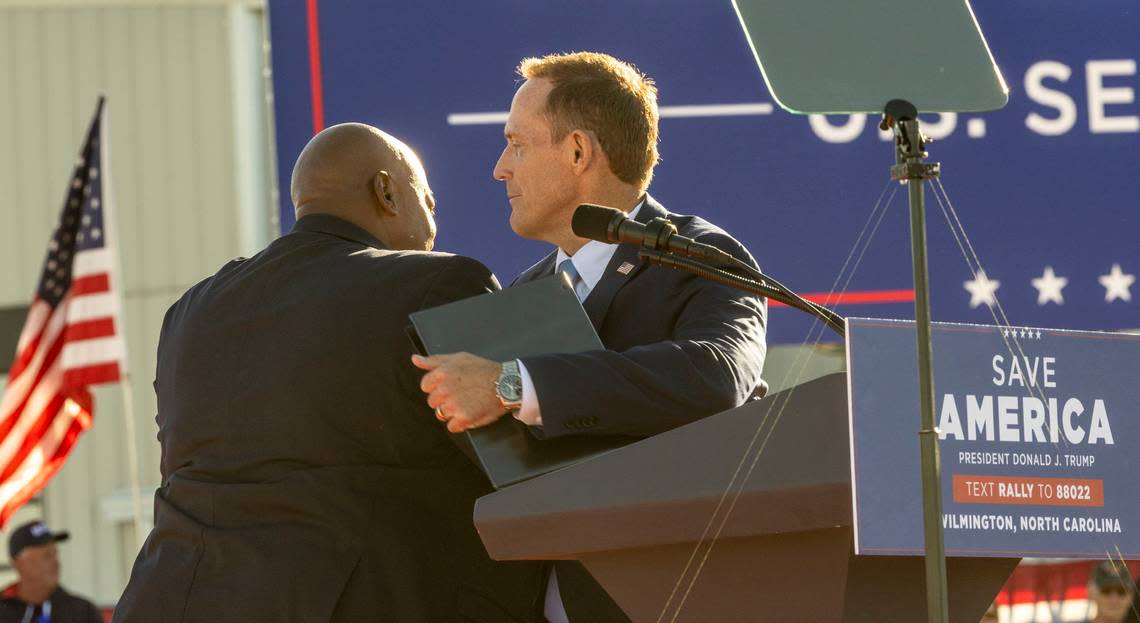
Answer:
[(580, 289)]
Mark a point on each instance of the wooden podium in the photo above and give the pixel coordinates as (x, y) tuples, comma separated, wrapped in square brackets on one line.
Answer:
[(634, 515)]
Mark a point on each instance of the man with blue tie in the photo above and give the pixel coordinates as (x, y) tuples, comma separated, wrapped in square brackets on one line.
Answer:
[(583, 129)]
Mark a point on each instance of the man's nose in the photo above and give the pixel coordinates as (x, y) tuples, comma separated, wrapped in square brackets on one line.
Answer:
[(501, 172)]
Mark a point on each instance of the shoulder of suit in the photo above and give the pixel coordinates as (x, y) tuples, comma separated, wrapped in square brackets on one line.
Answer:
[(697, 228)]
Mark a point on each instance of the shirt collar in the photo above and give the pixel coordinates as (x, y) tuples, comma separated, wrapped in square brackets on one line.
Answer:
[(591, 260)]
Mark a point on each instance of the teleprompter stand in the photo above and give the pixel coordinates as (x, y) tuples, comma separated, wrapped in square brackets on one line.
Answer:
[(895, 59)]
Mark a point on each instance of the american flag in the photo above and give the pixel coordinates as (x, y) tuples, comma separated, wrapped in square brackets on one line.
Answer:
[(70, 340)]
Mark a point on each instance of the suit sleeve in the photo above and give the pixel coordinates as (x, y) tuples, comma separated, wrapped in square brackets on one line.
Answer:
[(458, 278), (710, 363)]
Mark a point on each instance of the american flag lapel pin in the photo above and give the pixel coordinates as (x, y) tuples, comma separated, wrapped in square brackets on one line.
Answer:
[(625, 268)]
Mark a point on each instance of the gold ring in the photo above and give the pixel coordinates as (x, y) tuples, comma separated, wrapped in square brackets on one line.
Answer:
[(440, 416)]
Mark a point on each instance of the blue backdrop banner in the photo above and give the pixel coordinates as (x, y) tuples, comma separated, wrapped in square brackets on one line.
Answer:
[(1047, 188), (1038, 429)]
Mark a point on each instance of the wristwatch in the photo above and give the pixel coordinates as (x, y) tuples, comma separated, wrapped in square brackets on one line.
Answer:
[(509, 386)]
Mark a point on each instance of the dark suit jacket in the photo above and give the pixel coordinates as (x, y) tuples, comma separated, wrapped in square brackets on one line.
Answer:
[(303, 476), (679, 348)]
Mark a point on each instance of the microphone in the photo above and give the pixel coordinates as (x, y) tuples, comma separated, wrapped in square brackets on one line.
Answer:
[(609, 225)]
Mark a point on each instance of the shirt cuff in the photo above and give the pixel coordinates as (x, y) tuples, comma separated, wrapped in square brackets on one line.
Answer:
[(529, 412)]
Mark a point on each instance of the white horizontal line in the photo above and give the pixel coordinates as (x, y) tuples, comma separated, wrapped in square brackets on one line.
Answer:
[(717, 110), (476, 118), (667, 112)]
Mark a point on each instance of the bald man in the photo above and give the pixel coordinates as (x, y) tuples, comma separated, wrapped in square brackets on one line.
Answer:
[(303, 478)]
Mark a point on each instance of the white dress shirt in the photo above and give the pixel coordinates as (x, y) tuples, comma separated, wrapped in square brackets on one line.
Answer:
[(590, 261)]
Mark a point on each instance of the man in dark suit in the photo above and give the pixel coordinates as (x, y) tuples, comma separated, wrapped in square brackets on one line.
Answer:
[(583, 129), (303, 478)]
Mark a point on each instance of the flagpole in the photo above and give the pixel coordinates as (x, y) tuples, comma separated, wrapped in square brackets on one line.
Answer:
[(133, 479), (132, 457)]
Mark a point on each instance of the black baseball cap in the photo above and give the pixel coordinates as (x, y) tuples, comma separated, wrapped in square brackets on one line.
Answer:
[(33, 533), (1108, 573)]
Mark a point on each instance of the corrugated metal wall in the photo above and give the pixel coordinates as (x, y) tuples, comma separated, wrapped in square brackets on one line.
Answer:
[(191, 175)]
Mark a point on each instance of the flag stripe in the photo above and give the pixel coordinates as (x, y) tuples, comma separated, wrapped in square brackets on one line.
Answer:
[(93, 306), (90, 329), (35, 434), (38, 314), (91, 284), (92, 374), (93, 261), (87, 352), (25, 356), (19, 385), (35, 391), (41, 474)]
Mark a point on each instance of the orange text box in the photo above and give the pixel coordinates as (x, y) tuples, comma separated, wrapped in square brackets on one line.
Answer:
[(1025, 490)]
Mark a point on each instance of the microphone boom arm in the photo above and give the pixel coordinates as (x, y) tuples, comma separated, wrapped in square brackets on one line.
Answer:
[(761, 287)]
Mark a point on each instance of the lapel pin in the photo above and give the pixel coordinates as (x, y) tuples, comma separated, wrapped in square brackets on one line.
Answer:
[(625, 268)]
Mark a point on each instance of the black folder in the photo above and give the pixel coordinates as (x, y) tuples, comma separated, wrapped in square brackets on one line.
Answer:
[(535, 318)]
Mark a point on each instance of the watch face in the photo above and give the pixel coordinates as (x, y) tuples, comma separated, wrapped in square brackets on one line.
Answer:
[(510, 388)]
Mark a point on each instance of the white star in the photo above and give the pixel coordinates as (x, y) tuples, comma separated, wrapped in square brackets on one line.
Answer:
[(982, 289), (95, 203), (1049, 287), (1116, 284), (95, 233), (93, 172), (75, 183), (1039, 334)]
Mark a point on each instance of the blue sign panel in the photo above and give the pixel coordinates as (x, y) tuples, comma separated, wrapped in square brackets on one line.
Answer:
[(1046, 188), (1038, 433)]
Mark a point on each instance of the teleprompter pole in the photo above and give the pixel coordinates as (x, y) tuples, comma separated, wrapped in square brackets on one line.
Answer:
[(911, 169)]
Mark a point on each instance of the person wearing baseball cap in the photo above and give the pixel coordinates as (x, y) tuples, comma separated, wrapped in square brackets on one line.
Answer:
[(1110, 588), (37, 597)]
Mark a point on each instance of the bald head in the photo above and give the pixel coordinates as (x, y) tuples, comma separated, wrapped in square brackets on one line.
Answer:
[(369, 178)]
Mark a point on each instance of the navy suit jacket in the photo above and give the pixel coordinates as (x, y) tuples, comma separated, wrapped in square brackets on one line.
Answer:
[(678, 347)]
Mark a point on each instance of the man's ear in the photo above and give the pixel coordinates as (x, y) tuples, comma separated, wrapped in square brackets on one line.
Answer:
[(584, 150), (382, 189)]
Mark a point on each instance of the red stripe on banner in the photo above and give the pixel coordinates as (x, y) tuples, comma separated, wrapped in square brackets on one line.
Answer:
[(49, 360), (92, 375), (52, 466), (90, 284), (315, 69), (864, 297), (90, 329), (34, 435)]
